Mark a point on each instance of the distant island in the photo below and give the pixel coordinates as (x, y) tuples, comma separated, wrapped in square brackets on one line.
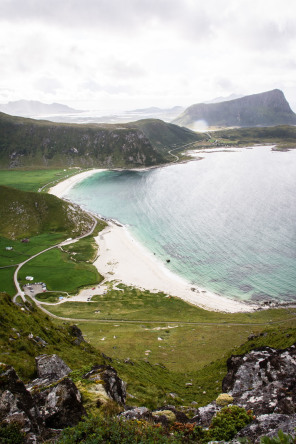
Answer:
[(30, 108), (265, 109)]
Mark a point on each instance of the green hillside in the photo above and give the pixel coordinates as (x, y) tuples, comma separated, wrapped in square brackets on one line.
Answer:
[(40, 144), (282, 135), (25, 214), (163, 135), (264, 109)]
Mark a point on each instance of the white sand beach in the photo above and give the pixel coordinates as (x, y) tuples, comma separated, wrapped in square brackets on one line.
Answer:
[(64, 187), (122, 258)]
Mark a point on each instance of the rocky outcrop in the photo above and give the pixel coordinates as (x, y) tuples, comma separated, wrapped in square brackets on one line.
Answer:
[(107, 384), (60, 405), (77, 334), (17, 405), (50, 401), (268, 425), (263, 380), (51, 366)]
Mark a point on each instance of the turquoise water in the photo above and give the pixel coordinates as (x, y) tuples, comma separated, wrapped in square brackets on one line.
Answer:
[(227, 222)]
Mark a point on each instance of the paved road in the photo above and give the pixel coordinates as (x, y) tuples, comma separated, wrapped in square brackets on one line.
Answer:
[(20, 292)]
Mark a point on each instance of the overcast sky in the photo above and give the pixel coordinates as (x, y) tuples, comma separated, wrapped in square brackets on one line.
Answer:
[(123, 54)]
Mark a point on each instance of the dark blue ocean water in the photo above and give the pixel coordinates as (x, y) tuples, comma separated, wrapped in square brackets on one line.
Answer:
[(227, 222)]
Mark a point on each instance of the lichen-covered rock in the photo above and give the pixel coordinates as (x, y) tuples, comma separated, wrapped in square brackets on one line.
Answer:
[(107, 381), (60, 405), (205, 414), (263, 380), (17, 404), (51, 367), (268, 425)]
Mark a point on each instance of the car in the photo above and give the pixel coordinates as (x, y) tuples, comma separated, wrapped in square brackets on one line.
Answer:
[(93, 288)]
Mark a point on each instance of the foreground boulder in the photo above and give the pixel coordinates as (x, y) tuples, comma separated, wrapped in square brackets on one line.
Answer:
[(17, 405), (60, 405), (51, 367), (52, 401), (263, 380)]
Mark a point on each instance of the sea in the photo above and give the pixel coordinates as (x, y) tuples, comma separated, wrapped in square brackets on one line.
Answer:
[(226, 223)]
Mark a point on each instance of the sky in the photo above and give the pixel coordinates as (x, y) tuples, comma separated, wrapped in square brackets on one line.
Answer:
[(127, 54)]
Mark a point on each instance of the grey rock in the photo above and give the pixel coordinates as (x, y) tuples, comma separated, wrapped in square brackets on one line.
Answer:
[(113, 385), (137, 413), (17, 404), (263, 380), (268, 425), (77, 334), (51, 367), (60, 405), (205, 414)]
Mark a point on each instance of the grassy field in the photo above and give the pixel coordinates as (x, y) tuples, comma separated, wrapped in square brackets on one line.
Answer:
[(32, 180), (161, 329), (134, 304), (6, 280), (22, 251), (59, 272)]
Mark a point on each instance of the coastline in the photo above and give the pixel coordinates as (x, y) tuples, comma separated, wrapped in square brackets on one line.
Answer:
[(122, 258), (64, 187)]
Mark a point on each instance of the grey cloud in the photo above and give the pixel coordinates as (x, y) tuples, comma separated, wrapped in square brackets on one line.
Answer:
[(118, 15), (48, 85), (124, 69)]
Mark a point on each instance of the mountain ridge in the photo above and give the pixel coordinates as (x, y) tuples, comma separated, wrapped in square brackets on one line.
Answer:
[(36, 143), (264, 109)]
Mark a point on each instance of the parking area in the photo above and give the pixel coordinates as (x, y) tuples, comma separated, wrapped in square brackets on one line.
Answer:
[(33, 289)]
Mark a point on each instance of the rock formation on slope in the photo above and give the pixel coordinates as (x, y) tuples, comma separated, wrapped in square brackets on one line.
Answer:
[(262, 381), (264, 109)]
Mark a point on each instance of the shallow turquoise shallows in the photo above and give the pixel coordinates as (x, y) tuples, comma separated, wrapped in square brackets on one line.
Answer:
[(227, 222)]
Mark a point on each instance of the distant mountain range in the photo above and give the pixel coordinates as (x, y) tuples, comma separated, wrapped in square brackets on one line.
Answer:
[(38, 143), (264, 109), (30, 108)]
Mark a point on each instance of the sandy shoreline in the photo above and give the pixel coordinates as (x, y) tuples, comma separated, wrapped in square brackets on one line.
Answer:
[(122, 258), (64, 187)]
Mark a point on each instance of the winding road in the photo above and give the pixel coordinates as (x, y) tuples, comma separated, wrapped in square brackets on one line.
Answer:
[(20, 292)]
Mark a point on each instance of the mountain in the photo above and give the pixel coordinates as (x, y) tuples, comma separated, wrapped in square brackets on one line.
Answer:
[(24, 214), (34, 143), (30, 108), (264, 109)]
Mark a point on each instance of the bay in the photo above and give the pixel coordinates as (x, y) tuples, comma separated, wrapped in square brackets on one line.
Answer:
[(226, 223)]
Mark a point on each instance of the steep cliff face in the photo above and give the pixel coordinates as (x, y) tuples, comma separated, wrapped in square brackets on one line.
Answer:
[(264, 109)]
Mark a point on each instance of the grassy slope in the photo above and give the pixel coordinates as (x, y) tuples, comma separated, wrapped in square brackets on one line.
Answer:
[(17, 349), (25, 214), (46, 220), (166, 135)]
